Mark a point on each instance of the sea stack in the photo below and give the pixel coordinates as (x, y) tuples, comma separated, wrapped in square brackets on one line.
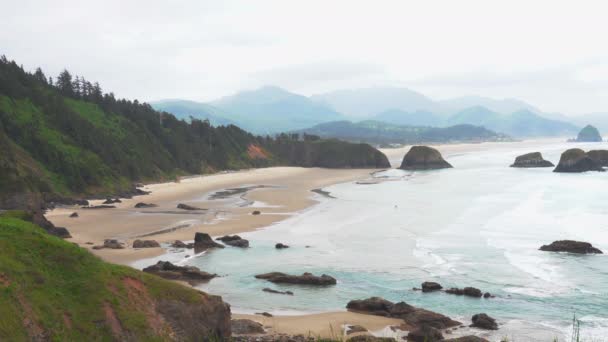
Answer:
[(576, 160), (589, 134), (571, 246), (423, 158), (599, 156), (533, 159)]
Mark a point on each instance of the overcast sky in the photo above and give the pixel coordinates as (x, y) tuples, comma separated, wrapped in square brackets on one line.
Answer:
[(553, 54)]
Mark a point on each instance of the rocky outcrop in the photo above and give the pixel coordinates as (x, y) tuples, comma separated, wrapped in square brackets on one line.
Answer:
[(304, 279), (181, 244), (202, 242), (141, 205), (74, 215), (589, 134), (269, 290), (256, 212), (483, 321), (570, 246), (423, 158), (280, 246), (192, 275), (246, 327), (599, 156), (425, 334), (111, 244), (234, 241), (103, 206), (145, 244), (534, 159), (430, 286), (112, 201), (467, 291), (576, 160), (187, 207), (411, 315)]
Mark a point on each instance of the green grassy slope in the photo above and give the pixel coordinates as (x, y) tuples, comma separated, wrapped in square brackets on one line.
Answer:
[(54, 290)]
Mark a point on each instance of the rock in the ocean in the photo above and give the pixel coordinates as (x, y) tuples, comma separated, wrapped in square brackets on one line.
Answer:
[(484, 321), (410, 314), (269, 290), (599, 156), (425, 333), (576, 160), (190, 274), (304, 279), (534, 159), (430, 286), (179, 244), (234, 241), (202, 242), (467, 291), (145, 244), (74, 215), (280, 246), (187, 207), (423, 158), (571, 246), (589, 134), (145, 205), (246, 327)]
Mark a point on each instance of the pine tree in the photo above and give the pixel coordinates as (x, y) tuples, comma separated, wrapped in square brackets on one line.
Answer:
[(40, 75), (64, 83)]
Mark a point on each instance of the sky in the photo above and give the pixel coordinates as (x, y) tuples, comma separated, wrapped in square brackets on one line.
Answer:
[(552, 54)]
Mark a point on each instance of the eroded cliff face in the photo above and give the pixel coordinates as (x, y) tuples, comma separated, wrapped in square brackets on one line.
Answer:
[(423, 158)]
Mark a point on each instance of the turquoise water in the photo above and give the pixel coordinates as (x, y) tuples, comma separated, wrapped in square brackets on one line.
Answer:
[(479, 224)]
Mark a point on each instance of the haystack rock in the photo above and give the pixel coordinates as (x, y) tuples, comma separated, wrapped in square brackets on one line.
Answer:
[(576, 160), (534, 159), (571, 246), (423, 158), (589, 134)]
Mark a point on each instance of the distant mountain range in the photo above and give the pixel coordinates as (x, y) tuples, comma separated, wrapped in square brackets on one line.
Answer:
[(270, 110), (382, 133)]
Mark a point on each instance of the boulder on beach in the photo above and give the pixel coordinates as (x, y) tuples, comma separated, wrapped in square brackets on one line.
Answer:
[(202, 242), (599, 156), (425, 333), (467, 291), (103, 206), (411, 315), (534, 159), (571, 246), (256, 212), (187, 207), (576, 160), (234, 241), (484, 321), (304, 279), (269, 290), (246, 327), (74, 215), (280, 246), (192, 275), (112, 201), (430, 286), (423, 158), (181, 244), (113, 244), (589, 134), (145, 205), (145, 244)]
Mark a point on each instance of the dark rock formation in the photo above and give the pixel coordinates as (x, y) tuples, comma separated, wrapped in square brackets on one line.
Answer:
[(113, 244), (202, 242), (425, 333), (192, 275), (484, 321), (589, 134), (467, 291), (304, 279), (145, 205), (234, 241), (99, 207), (246, 327), (599, 156), (74, 214), (410, 314), (145, 244), (430, 286), (469, 338), (534, 159), (181, 244), (570, 246), (423, 158), (576, 160), (269, 290), (280, 246), (488, 295), (265, 314), (256, 212), (187, 207), (112, 201)]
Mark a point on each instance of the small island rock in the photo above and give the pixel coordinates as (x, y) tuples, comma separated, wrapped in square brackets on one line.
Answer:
[(423, 158), (599, 156), (234, 241), (484, 321), (304, 279), (576, 160), (570, 246), (533, 159), (280, 246), (202, 242), (430, 286)]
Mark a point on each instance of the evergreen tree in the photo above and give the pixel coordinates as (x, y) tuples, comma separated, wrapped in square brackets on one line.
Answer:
[(64, 83)]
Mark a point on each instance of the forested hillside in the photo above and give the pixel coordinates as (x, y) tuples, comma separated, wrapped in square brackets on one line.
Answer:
[(64, 137)]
